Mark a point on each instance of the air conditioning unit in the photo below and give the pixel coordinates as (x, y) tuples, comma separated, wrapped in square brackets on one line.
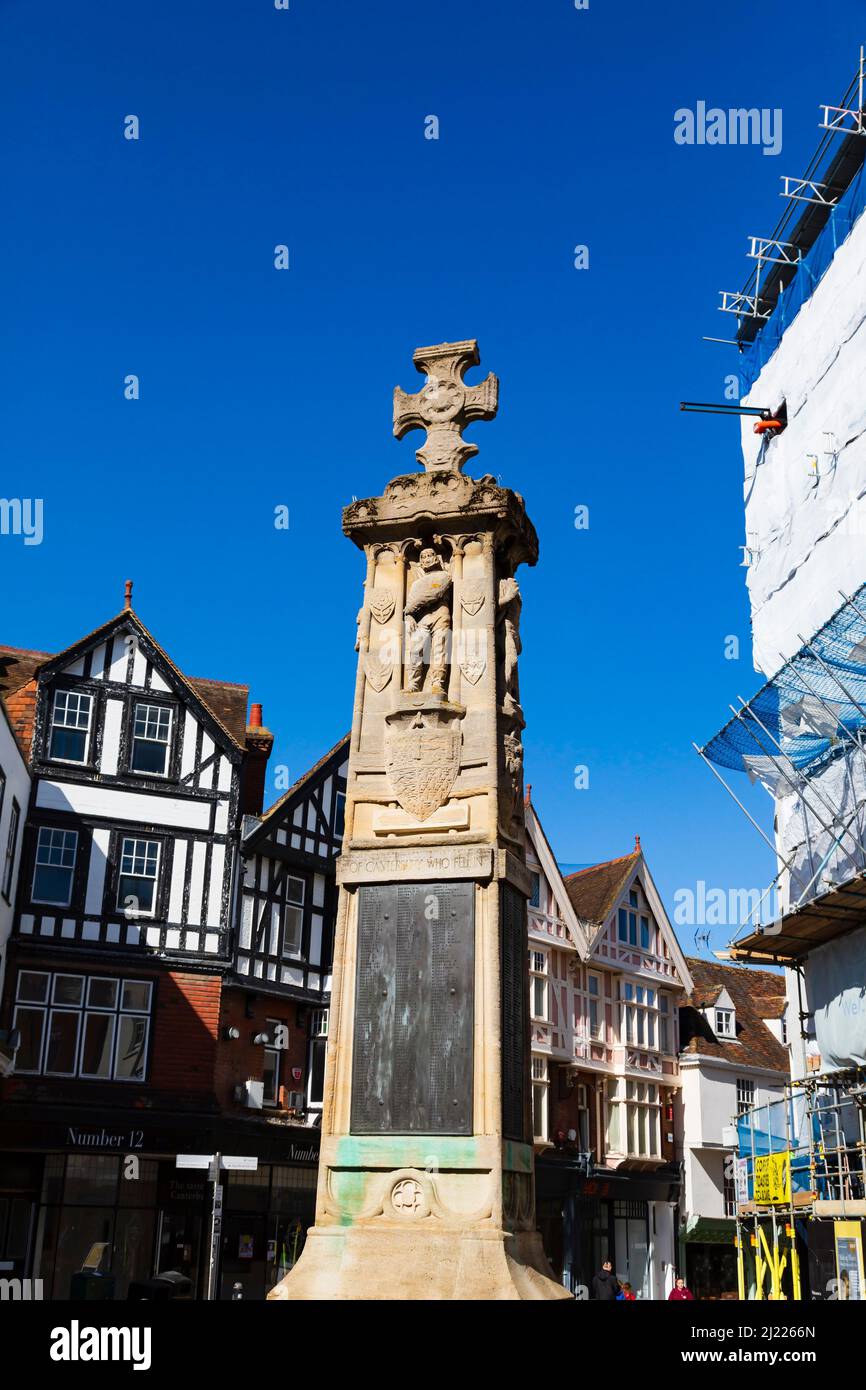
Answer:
[(296, 1100), (253, 1094)]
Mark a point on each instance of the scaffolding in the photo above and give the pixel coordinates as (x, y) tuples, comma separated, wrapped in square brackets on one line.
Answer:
[(801, 1160), (808, 720), (797, 228)]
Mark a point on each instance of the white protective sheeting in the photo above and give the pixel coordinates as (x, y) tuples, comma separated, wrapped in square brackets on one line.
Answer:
[(836, 987), (805, 527), (821, 854)]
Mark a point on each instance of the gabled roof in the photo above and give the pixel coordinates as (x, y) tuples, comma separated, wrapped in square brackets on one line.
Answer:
[(750, 991), (225, 702), (544, 853), (269, 818), (594, 892)]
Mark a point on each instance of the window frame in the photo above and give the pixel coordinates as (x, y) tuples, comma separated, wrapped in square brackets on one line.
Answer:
[(11, 847), (285, 904), (635, 1113), (540, 1084), (595, 1033), (89, 695), (172, 709), (61, 830), (133, 913), (745, 1095), (270, 1049), (83, 1012), (729, 1015), (539, 975), (639, 1015)]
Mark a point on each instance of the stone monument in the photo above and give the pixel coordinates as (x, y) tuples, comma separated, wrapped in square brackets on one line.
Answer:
[(426, 1186)]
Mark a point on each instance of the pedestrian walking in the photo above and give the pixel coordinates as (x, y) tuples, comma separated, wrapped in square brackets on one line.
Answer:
[(605, 1285)]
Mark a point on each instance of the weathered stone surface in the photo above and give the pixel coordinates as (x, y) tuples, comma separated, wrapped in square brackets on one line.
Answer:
[(445, 405), (434, 812)]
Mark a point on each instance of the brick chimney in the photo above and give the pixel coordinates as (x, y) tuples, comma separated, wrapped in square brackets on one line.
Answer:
[(258, 743)]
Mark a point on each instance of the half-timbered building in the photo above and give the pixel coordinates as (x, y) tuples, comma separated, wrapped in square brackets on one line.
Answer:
[(606, 978), (285, 939), (168, 972)]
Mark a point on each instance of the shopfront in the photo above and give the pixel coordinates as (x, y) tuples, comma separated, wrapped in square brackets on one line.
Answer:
[(709, 1258), (89, 1223), (626, 1218)]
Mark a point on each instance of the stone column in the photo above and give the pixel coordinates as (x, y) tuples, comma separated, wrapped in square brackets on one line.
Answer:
[(426, 1184)]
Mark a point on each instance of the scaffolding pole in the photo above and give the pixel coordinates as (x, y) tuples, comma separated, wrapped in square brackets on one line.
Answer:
[(793, 785)]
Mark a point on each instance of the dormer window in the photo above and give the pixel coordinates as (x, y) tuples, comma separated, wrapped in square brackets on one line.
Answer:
[(151, 736), (724, 1024), (70, 726)]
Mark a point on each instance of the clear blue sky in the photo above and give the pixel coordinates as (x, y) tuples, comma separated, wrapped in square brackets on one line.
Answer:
[(261, 388)]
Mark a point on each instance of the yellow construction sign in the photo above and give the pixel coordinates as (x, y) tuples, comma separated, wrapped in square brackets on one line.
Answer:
[(772, 1186)]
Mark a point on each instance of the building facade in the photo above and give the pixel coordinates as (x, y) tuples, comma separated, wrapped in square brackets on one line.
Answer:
[(802, 354), (606, 980), (167, 980), (734, 1056), (14, 800)]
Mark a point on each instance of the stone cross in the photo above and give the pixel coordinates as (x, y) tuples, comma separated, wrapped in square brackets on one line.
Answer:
[(445, 405)]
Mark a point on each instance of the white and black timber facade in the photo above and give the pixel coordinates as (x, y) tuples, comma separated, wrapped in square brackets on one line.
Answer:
[(168, 971)]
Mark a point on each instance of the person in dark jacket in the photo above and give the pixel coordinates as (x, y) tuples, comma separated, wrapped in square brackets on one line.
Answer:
[(679, 1291), (605, 1285)]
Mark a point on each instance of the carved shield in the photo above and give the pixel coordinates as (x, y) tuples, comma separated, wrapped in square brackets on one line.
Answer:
[(472, 597), (422, 762), (381, 605), (378, 672), (474, 670)]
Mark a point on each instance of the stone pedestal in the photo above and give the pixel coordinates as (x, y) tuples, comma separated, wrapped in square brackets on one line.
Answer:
[(426, 1187)]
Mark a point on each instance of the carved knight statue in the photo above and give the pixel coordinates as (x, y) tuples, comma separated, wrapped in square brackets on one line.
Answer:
[(428, 624)]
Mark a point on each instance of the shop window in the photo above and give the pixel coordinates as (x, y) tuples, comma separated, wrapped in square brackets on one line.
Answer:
[(91, 1179)]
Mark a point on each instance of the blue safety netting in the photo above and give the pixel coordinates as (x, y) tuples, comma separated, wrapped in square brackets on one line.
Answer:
[(802, 713), (810, 271), (782, 1125)]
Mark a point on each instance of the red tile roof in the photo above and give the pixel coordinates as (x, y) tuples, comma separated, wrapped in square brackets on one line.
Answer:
[(594, 892), (755, 995)]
